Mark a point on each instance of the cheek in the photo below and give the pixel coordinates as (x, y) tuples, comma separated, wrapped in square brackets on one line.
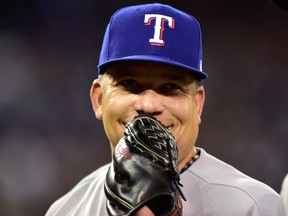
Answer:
[(186, 130), (115, 109), (115, 105), (182, 108)]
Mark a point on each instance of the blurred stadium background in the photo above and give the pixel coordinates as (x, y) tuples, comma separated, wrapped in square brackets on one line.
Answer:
[(49, 138)]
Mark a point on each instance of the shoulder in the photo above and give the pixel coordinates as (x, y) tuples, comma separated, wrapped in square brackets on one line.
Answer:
[(98, 174), (80, 197), (221, 186), (283, 204)]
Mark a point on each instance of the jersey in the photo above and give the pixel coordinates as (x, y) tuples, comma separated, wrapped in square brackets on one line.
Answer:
[(283, 204), (211, 186)]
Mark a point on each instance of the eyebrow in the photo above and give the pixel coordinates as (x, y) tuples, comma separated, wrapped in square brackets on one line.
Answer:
[(180, 76)]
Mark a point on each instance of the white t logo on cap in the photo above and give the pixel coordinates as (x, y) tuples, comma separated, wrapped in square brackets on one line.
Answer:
[(158, 27)]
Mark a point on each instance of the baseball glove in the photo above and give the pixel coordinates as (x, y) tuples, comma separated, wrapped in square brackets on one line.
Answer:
[(144, 171)]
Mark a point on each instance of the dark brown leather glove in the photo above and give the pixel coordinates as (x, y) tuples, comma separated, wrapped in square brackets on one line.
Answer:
[(144, 171)]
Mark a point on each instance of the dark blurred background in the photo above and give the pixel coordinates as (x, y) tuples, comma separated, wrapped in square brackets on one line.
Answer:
[(49, 137)]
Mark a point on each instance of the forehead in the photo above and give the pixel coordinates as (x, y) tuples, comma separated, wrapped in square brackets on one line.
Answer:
[(148, 70)]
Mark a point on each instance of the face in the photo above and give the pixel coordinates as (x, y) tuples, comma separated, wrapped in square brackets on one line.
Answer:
[(169, 93)]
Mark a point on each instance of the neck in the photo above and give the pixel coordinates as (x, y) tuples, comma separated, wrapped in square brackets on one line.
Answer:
[(185, 165), (187, 158)]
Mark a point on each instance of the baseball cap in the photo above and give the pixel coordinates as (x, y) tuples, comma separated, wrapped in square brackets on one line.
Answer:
[(153, 32)]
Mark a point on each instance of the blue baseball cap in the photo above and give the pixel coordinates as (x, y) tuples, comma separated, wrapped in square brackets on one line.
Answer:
[(156, 33)]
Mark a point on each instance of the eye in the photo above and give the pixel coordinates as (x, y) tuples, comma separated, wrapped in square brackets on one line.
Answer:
[(130, 85), (172, 86)]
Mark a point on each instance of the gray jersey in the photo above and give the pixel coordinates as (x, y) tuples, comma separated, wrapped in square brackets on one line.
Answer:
[(283, 204), (211, 187)]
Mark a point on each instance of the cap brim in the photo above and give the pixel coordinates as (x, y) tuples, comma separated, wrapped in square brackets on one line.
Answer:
[(152, 58)]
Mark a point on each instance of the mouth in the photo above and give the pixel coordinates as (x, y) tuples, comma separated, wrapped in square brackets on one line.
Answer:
[(168, 126)]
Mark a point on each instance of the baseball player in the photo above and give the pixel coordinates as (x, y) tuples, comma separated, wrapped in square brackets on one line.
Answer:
[(150, 97)]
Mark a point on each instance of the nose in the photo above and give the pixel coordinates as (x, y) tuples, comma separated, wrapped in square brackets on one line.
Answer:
[(149, 101)]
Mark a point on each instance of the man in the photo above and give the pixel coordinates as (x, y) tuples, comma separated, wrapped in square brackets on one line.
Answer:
[(151, 62)]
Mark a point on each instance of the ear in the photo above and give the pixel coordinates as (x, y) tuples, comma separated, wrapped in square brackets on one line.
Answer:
[(96, 98), (199, 102)]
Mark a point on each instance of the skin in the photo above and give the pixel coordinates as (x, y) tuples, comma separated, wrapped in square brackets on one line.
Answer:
[(144, 211), (169, 93)]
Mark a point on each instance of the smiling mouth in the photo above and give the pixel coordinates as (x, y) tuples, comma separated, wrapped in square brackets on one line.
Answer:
[(169, 127)]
